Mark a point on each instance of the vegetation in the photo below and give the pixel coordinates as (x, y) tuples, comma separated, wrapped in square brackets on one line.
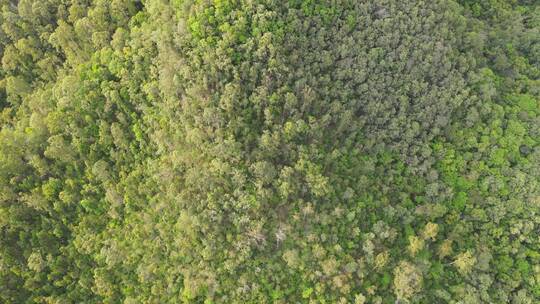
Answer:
[(301, 151)]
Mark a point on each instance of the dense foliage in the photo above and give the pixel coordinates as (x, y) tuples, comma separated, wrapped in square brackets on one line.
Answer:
[(262, 151)]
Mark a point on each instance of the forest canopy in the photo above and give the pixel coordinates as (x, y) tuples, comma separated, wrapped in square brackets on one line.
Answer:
[(262, 151)]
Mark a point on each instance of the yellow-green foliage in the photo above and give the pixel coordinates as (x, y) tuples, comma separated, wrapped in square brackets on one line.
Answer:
[(301, 151), (407, 280)]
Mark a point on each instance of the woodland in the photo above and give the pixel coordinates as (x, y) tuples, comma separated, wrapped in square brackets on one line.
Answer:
[(270, 151)]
